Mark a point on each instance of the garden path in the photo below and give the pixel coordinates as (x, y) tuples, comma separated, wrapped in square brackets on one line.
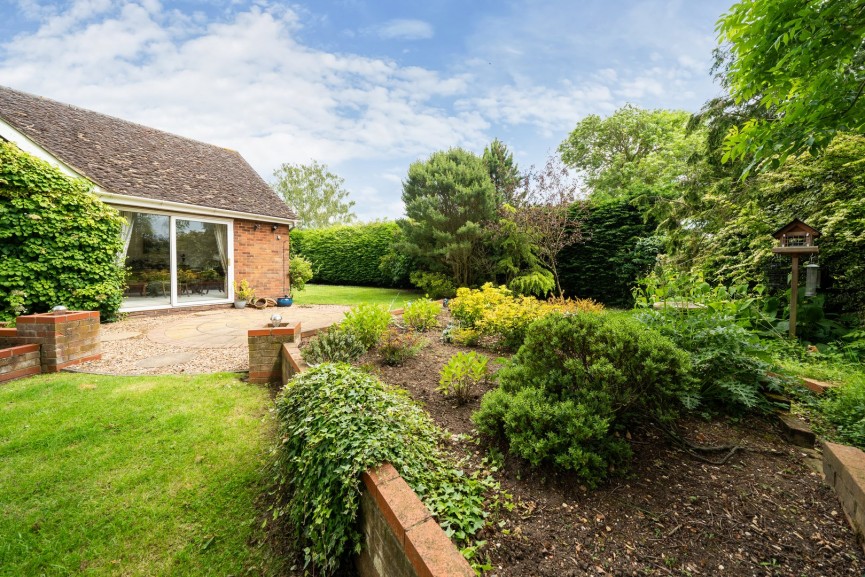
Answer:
[(195, 342)]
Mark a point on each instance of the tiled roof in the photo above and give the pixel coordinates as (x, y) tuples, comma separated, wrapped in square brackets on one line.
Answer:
[(130, 159)]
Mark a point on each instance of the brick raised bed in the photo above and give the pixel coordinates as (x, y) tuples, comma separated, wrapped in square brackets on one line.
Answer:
[(844, 468), (399, 536), (265, 352), (47, 343)]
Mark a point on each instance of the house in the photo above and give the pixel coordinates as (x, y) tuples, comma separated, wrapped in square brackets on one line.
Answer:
[(198, 215)]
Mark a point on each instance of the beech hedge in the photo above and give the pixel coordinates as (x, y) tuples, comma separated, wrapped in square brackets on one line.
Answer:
[(58, 241), (349, 254)]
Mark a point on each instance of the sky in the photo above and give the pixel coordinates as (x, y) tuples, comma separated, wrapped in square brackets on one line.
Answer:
[(364, 86)]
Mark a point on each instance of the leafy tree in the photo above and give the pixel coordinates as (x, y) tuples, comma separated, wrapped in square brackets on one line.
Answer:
[(315, 194), (633, 152), (804, 61), (503, 172), (546, 219), (449, 198)]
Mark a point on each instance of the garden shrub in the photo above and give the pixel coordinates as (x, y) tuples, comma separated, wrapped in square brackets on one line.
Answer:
[(434, 284), (470, 304), (538, 283), (728, 360), (300, 272), (462, 375), (844, 408), (577, 380), (58, 242), (334, 345), (367, 322), (422, 314), (326, 443), (465, 337), (496, 312), (396, 347), (711, 323), (348, 254)]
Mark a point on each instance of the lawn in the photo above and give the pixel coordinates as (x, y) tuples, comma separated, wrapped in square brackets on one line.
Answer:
[(320, 294), (132, 476)]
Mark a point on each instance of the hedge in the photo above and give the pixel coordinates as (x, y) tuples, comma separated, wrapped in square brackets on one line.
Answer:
[(58, 241), (348, 254), (619, 248)]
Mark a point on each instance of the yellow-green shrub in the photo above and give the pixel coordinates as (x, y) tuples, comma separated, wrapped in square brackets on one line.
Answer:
[(469, 305)]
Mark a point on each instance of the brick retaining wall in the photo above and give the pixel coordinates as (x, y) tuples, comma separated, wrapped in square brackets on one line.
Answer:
[(67, 337), (265, 352), (844, 468), (20, 361), (399, 536), (47, 343)]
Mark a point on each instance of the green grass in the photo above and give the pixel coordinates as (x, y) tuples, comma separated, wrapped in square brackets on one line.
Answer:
[(132, 476), (320, 294)]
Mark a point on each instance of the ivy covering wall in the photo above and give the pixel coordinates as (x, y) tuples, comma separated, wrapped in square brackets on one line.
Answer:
[(58, 241), (349, 255)]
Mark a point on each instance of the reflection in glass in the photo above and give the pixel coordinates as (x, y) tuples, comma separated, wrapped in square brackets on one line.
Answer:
[(148, 262), (202, 260)]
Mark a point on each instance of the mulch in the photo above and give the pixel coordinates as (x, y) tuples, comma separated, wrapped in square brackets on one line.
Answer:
[(764, 512)]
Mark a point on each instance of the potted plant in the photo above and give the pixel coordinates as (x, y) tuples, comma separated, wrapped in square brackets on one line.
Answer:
[(243, 294)]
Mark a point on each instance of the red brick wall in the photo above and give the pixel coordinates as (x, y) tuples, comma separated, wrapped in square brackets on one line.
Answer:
[(67, 338), (18, 362), (258, 256)]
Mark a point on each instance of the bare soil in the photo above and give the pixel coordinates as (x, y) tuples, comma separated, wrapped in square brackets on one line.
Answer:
[(764, 512)]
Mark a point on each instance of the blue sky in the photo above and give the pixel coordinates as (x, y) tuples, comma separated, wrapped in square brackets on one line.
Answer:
[(366, 87)]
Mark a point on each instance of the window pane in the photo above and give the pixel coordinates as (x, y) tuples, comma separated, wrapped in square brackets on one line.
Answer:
[(148, 260), (202, 261)]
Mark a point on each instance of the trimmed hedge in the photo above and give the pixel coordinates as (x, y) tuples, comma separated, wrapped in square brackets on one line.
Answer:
[(348, 255), (619, 249), (58, 241)]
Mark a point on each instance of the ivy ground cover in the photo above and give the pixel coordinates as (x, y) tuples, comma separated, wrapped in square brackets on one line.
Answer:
[(132, 476)]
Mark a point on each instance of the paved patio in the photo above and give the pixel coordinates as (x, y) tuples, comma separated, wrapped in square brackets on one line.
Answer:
[(197, 342)]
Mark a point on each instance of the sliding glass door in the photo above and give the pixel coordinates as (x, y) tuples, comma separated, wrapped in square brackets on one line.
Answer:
[(201, 250), (175, 261)]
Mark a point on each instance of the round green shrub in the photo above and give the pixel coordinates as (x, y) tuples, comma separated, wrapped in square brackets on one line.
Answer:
[(58, 242), (335, 422), (422, 314), (576, 381), (367, 322)]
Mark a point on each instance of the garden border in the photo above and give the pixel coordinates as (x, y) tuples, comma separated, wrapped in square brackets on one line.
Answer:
[(400, 537)]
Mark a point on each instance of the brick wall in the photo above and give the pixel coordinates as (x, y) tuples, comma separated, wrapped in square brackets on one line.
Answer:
[(400, 537), (67, 337), (48, 342), (20, 361), (258, 256), (265, 352), (844, 468)]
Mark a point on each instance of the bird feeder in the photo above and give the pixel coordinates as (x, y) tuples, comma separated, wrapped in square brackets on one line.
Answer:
[(797, 241)]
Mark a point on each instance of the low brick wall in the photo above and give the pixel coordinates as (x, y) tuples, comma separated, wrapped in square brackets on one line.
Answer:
[(265, 352), (47, 343), (844, 468), (67, 338), (399, 536), (20, 361)]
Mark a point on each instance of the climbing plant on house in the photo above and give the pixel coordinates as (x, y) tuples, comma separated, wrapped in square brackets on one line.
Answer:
[(58, 241)]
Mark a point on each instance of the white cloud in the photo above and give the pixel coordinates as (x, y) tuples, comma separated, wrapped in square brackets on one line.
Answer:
[(405, 29)]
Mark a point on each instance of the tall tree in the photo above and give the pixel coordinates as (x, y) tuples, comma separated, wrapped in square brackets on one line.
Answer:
[(448, 200), (314, 193), (504, 173), (633, 152), (547, 218), (805, 61)]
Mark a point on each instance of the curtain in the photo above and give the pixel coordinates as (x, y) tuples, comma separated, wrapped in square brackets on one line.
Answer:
[(126, 235), (221, 233)]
